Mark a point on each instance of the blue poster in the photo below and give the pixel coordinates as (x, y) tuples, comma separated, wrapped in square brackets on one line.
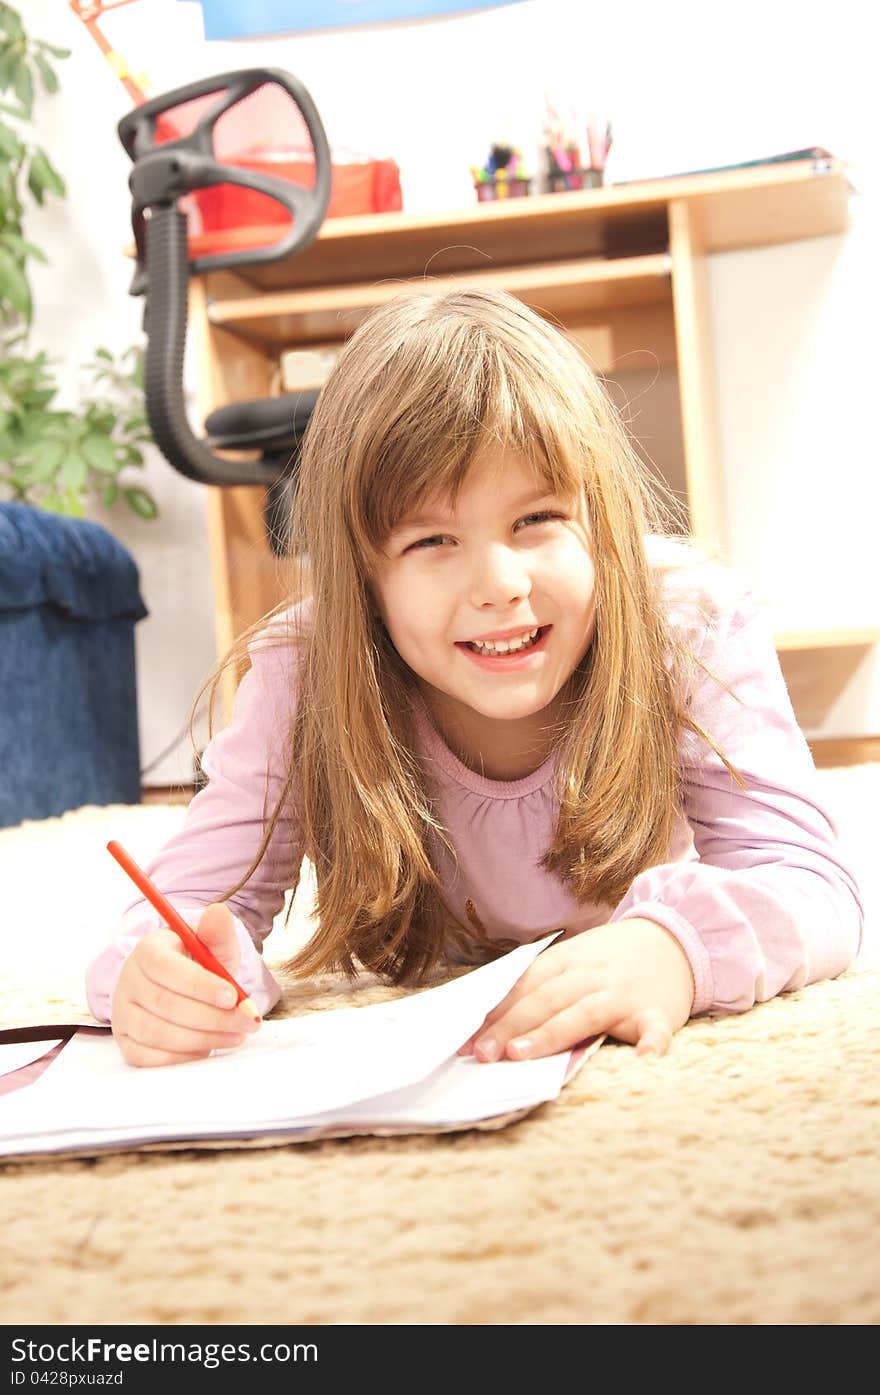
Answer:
[(241, 19)]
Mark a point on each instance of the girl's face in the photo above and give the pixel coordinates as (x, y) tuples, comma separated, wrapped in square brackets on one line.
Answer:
[(511, 559)]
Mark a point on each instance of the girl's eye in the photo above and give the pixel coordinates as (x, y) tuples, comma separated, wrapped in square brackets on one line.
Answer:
[(431, 542), (425, 542)]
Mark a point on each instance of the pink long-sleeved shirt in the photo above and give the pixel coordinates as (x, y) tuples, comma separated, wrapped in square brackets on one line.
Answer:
[(753, 886)]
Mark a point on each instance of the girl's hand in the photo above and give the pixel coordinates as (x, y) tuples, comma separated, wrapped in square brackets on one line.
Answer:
[(630, 980), (167, 1008)]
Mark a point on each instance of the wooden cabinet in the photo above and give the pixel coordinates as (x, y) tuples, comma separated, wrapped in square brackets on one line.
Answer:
[(623, 269)]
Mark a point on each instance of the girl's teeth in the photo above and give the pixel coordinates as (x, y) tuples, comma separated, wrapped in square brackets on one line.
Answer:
[(503, 646)]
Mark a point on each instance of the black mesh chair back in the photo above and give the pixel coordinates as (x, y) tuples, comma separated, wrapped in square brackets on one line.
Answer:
[(202, 156)]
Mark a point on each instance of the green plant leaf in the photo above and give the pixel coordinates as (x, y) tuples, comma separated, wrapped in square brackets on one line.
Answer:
[(11, 148), (45, 460), (7, 63), (38, 397), (74, 506), (141, 503), (18, 112), (19, 483), (23, 86), (109, 495), (100, 452), (55, 52), (74, 472), (21, 248), (13, 285), (10, 21), (43, 176), (100, 418), (47, 72)]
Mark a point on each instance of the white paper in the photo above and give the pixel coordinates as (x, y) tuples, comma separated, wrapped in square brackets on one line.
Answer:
[(398, 1058), (15, 1054), (460, 1092)]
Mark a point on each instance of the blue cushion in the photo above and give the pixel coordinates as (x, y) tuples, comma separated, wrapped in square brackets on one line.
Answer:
[(69, 600), (72, 564)]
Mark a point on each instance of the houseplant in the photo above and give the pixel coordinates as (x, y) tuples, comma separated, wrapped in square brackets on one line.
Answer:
[(54, 458)]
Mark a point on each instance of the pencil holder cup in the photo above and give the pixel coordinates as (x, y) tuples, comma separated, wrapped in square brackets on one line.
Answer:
[(501, 188), (559, 181)]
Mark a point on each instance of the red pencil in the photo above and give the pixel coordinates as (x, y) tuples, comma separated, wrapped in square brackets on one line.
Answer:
[(175, 922)]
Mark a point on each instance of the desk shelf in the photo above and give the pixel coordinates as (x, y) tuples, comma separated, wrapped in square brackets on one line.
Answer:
[(571, 290), (818, 664), (805, 641)]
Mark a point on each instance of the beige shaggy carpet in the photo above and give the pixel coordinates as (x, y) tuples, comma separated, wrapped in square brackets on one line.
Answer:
[(733, 1181)]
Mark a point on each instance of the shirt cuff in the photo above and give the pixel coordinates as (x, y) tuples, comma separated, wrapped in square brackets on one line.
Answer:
[(684, 932), (253, 972)]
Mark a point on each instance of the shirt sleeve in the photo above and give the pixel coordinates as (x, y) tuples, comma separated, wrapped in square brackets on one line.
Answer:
[(768, 903), (224, 827)]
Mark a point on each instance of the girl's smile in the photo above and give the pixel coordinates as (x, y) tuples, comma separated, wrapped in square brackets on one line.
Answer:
[(516, 658)]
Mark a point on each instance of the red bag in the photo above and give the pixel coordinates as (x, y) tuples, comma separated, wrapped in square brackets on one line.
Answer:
[(266, 133)]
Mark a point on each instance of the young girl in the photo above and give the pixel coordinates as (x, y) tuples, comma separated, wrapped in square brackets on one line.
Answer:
[(508, 705)]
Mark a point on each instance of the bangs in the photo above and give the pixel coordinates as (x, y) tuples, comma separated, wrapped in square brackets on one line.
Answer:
[(428, 444)]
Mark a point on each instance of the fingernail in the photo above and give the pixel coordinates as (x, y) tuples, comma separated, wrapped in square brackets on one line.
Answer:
[(226, 997), (488, 1048), (521, 1046)]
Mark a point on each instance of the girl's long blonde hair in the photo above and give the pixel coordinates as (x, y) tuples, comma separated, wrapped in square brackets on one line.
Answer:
[(425, 383)]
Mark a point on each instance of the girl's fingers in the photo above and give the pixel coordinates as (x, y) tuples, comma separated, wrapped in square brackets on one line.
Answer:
[(169, 966), (653, 1036), (574, 1024), (159, 1021), (520, 989), (136, 1054), (162, 1035), (552, 1019), (543, 970), (180, 1011), (172, 987)]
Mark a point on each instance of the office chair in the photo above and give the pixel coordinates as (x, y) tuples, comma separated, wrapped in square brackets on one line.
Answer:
[(181, 189)]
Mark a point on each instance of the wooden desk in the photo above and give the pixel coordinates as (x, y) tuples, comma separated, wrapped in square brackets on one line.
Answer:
[(623, 269)]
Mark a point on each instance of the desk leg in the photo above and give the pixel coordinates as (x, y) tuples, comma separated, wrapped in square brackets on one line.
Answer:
[(696, 376), (248, 579), (241, 562)]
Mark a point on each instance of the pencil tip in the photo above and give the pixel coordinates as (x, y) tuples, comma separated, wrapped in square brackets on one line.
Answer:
[(247, 1006)]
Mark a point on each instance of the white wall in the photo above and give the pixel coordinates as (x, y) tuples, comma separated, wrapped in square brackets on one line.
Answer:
[(795, 327)]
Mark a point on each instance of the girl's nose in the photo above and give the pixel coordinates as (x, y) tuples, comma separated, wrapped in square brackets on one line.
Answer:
[(499, 578)]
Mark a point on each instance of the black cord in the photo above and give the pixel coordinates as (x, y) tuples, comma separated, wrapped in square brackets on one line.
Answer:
[(173, 744)]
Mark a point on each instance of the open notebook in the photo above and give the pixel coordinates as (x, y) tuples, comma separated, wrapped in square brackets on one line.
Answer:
[(384, 1068)]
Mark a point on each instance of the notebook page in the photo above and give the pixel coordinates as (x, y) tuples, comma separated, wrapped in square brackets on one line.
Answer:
[(289, 1070)]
